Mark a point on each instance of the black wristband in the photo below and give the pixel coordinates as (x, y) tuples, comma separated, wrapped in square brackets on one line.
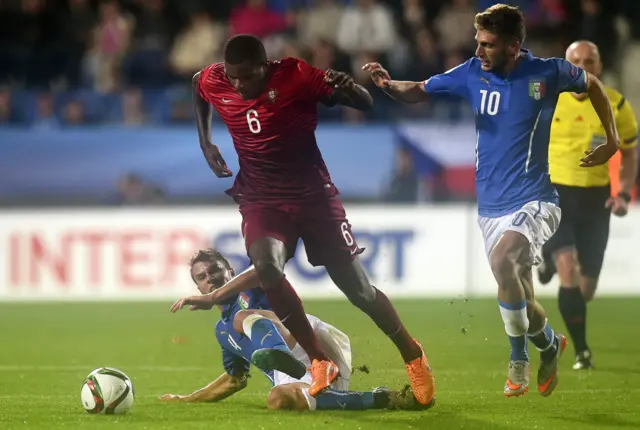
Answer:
[(624, 196)]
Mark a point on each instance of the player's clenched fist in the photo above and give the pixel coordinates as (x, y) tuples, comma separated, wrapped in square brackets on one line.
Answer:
[(379, 74), (216, 162)]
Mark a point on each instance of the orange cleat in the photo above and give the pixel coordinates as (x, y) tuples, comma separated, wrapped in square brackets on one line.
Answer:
[(423, 383), (323, 373)]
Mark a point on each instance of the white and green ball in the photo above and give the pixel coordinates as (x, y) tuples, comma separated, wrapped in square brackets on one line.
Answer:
[(107, 390)]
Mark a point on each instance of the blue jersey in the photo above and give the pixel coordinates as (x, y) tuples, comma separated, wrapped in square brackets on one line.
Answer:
[(237, 348), (513, 121)]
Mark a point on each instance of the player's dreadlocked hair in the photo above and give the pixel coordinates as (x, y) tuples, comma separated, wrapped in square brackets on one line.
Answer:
[(244, 48), (502, 20), (208, 255)]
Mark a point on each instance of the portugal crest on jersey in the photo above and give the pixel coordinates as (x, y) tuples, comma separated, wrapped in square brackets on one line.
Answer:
[(272, 95), (536, 89)]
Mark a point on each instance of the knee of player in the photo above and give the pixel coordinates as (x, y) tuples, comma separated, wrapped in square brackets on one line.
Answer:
[(238, 320), (502, 264), (566, 263), (509, 257), (270, 271), (282, 398)]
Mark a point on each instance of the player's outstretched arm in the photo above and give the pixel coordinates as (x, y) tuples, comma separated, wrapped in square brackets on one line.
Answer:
[(242, 282), (223, 387), (402, 91), (203, 113), (602, 106), (347, 92)]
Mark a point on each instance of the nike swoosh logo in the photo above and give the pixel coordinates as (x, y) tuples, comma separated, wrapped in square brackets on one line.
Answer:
[(226, 100), (342, 405), (353, 251)]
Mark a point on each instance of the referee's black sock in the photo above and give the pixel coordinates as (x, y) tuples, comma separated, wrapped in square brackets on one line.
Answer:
[(574, 312)]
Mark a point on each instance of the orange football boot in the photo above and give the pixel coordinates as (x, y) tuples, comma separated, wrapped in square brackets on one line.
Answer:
[(421, 377), (323, 373)]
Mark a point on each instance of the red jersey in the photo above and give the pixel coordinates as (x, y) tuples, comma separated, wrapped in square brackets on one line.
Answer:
[(274, 135)]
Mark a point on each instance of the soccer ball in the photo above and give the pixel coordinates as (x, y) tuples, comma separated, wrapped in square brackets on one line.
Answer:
[(107, 390)]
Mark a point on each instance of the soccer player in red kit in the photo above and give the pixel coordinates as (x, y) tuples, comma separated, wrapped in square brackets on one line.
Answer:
[(285, 192)]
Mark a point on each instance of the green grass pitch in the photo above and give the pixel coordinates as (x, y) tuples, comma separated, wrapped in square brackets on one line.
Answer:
[(48, 349)]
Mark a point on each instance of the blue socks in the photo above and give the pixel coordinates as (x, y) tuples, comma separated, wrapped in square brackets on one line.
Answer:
[(545, 342), (516, 324), (351, 400), (263, 333)]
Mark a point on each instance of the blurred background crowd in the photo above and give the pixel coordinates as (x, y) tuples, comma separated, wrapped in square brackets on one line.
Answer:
[(69, 64)]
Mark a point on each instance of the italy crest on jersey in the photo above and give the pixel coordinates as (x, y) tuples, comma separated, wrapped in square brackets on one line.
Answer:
[(243, 300), (536, 89)]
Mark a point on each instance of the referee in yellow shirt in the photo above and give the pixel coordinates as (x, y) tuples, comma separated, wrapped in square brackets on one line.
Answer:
[(577, 248)]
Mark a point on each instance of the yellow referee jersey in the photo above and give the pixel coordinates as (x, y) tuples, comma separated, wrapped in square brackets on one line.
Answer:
[(577, 128)]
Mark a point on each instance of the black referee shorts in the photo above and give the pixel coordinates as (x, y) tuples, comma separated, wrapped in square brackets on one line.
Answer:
[(584, 226)]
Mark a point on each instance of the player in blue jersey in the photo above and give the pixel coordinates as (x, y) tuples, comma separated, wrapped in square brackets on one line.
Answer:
[(513, 95), (250, 333)]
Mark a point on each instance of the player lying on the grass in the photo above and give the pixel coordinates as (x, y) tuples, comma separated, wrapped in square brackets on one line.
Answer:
[(514, 95), (249, 333)]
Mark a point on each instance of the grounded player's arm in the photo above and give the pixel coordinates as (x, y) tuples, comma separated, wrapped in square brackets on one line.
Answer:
[(242, 282), (628, 169), (602, 106), (223, 387)]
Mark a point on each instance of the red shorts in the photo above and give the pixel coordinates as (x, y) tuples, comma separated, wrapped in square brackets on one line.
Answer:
[(322, 225)]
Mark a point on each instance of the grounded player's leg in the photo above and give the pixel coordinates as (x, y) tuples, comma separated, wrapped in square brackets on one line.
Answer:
[(510, 252), (269, 256), (271, 350), (352, 280), (296, 397)]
